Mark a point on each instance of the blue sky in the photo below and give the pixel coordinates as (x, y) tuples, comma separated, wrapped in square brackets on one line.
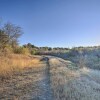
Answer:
[(63, 23)]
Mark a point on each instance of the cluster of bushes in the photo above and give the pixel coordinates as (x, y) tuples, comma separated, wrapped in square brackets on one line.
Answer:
[(9, 35), (85, 57), (21, 50), (81, 56)]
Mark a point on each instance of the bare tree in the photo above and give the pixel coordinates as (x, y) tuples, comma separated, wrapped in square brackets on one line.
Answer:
[(13, 32)]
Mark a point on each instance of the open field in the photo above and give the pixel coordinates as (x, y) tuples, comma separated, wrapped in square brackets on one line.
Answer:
[(52, 78), (80, 84)]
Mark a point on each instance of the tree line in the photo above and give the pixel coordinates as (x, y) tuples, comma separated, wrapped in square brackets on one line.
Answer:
[(9, 36)]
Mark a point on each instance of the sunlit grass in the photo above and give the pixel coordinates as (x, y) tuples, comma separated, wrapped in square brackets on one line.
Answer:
[(16, 63)]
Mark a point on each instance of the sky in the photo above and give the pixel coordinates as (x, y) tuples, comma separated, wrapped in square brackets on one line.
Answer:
[(54, 23)]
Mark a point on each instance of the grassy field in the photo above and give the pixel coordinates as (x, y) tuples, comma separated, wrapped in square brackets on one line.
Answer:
[(47, 78), (80, 84), (25, 83), (13, 63)]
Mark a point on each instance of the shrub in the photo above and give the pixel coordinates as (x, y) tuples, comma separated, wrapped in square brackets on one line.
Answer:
[(22, 50), (34, 52)]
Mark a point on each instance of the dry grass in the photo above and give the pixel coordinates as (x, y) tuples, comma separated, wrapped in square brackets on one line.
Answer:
[(13, 63), (24, 86), (60, 75), (81, 84), (65, 83)]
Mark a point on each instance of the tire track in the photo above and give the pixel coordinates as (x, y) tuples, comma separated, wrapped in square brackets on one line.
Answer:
[(45, 84)]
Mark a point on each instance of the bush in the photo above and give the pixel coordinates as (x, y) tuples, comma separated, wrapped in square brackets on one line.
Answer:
[(34, 52), (22, 50)]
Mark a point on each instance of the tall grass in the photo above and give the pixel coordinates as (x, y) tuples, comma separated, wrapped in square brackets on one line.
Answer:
[(13, 63)]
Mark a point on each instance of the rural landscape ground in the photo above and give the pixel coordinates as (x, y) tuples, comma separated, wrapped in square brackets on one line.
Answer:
[(52, 79), (49, 49)]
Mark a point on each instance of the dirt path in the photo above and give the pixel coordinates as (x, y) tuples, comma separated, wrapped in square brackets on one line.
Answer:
[(45, 84)]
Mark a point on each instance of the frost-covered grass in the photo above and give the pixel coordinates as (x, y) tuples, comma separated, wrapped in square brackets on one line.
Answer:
[(86, 87), (82, 88), (80, 84), (60, 75), (94, 75)]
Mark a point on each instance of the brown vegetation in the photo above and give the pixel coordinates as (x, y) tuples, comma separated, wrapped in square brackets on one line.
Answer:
[(13, 63)]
